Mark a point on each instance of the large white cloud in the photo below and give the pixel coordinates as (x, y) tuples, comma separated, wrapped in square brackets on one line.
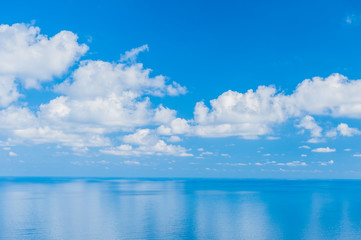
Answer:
[(32, 58), (233, 114), (335, 96), (102, 79), (255, 113)]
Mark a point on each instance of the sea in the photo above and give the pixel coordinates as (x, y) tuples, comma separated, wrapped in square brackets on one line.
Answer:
[(110, 208)]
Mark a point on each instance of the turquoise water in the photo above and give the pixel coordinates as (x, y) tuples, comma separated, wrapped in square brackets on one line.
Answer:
[(63, 208)]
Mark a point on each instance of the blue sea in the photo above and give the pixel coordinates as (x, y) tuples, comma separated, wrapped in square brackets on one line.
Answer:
[(91, 208)]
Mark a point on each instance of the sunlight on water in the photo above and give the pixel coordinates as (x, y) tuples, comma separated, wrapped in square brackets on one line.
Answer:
[(49, 208)]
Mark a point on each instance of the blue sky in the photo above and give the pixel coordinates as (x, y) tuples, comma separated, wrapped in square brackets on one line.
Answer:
[(241, 89)]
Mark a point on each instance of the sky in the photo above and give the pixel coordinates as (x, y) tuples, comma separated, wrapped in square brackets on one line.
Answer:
[(230, 89)]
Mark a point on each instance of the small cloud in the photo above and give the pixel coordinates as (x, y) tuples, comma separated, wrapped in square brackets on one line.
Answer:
[(12, 154), (309, 123), (6, 148), (266, 163), (316, 140), (324, 150), (293, 164), (128, 162), (357, 155), (206, 153), (352, 19), (225, 155), (133, 53), (303, 155), (210, 169), (331, 162), (331, 133), (174, 139), (193, 163), (103, 162), (200, 149), (348, 20), (306, 147), (267, 154), (347, 149), (272, 138), (233, 164)]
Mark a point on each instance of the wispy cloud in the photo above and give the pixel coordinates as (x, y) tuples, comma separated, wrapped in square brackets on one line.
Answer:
[(324, 150)]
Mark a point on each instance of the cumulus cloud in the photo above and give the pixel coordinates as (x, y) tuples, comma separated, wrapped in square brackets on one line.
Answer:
[(309, 123), (324, 150), (103, 79), (345, 130), (335, 96), (255, 113), (33, 58), (248, 115), (146, 142)]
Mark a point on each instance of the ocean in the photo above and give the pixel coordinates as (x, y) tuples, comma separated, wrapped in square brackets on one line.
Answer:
[(96, 208)]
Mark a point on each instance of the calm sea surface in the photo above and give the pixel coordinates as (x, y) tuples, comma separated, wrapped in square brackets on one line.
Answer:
[(65, 208)]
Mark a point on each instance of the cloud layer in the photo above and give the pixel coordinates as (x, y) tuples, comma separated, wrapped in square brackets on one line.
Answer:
[(108, 105)]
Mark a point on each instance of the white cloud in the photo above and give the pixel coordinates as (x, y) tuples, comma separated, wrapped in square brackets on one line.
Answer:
[(95, 79), (34, 58), (12, 154), (331, 162), (356, 155), (334, 96), (316, 140), (233, 164), (324, 150), (128, 162), (293, 164), (272, 138), (174, 139), (345, 130), (235, 114), (255, 113), (206, 153), (309, 123), (101, 98), (225, 155), (303, 155), (146, 142), (352, 19), (133, 53), (305, 146), (347, 149)]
